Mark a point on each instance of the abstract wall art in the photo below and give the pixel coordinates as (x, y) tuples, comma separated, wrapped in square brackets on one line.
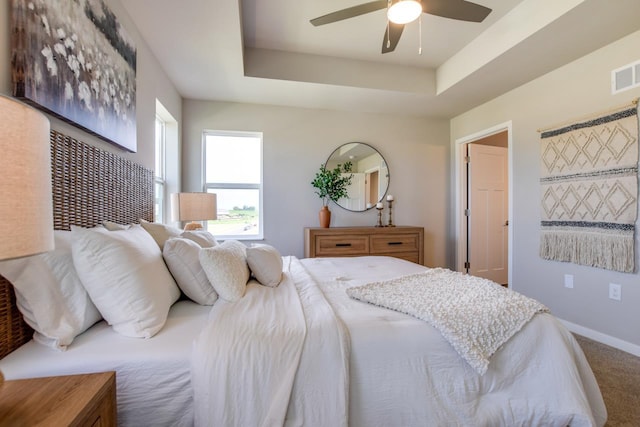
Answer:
[(73, 59)]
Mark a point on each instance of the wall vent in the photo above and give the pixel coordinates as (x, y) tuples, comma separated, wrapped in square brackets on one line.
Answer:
[(625, 78)]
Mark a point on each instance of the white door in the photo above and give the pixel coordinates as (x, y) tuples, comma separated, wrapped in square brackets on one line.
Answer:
[(488, 212)]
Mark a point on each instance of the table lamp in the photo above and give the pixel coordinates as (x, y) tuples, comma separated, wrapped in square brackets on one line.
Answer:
[(26, 211), (193, 207)]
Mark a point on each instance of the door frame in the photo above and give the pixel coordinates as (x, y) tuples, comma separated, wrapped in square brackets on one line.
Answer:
[(461, 193), (368, 172)]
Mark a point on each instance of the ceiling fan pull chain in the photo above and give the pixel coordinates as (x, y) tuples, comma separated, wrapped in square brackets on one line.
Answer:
[(388, 25), (420, 35), (388, 41)]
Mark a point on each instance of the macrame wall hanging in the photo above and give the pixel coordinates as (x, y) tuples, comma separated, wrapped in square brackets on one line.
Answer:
[(589, 180)]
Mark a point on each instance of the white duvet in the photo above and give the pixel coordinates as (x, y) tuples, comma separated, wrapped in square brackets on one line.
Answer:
[(268, 358), (404, 373), (475, 315), (277, 356)]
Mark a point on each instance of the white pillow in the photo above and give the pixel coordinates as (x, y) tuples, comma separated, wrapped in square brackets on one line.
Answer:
[(226, 268), (160, 232), (50, 295), (126, 278), (181, 256), (265, 263), (201, 237), (114, 226)]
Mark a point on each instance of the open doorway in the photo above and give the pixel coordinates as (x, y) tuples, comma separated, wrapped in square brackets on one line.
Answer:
[(373, 191), (483, 207)]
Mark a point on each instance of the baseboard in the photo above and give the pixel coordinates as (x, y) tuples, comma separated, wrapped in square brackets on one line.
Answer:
[(603, 338)]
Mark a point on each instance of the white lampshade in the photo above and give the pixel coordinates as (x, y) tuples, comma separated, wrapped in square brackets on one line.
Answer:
[(404, 11), (26, 213), (193, 207)]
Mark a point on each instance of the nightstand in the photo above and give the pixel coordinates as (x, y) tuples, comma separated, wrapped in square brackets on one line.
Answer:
[(73, 400)]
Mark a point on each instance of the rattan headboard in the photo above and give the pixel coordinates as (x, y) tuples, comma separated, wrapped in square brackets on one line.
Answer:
[(89, 186)]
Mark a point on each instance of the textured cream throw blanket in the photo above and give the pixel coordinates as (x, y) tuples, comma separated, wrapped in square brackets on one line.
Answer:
[(589, 180), (475, 315)]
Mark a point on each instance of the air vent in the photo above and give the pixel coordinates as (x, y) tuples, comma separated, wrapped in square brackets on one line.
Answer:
[(625, 78)]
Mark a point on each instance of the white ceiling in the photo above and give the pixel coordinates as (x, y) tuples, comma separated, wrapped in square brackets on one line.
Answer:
[(267, 52)]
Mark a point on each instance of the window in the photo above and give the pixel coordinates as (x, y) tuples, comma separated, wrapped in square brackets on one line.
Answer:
[(160, 183), (167, 164), (233, 170)]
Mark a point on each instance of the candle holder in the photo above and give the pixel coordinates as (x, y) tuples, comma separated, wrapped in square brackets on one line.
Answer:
[(390, 213), (379, 207)]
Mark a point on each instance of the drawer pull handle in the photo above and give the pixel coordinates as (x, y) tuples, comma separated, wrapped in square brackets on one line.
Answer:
[(342, 245), (394, 243)]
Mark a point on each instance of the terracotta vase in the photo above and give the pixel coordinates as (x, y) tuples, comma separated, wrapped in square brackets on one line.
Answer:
[(325, 217)]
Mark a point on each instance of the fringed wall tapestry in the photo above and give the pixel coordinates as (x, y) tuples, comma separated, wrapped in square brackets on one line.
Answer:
[(589, 182)]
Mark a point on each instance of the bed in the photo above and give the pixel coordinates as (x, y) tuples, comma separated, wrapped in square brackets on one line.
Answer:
[(300, 353)]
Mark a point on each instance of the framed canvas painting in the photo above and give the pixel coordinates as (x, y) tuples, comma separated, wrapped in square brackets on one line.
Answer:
[(73, 59)]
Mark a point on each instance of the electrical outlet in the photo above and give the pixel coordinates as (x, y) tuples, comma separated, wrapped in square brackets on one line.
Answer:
[(615, 291), (568, 281)]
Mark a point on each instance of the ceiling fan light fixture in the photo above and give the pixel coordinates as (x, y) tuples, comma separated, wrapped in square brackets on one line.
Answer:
[(404, 11)]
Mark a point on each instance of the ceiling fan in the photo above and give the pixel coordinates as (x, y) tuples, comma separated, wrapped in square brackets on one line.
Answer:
[(455, 9)]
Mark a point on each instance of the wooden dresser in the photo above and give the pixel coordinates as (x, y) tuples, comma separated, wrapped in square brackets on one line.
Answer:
[(72, 400), (400, 242)]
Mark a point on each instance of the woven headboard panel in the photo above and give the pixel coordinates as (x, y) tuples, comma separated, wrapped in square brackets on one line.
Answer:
[(89, 186)]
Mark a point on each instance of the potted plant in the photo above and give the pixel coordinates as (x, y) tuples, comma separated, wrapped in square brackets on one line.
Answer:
[(331, 184)]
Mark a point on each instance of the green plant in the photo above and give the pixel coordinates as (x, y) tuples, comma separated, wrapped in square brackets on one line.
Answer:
[(331, 184)]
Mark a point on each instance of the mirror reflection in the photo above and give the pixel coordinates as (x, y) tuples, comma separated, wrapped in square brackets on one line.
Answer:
[(370, 179)]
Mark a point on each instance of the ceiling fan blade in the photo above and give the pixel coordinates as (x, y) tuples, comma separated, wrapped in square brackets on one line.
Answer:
[(391, 37), (456, 9), (349, 12)]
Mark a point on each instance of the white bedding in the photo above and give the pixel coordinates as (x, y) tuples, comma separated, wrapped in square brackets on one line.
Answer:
[(475, 315), (398, 371), (403, 372), (265, 358), (152, 375)]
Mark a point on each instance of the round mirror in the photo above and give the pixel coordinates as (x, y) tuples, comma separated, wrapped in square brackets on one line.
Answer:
[(370, 175)]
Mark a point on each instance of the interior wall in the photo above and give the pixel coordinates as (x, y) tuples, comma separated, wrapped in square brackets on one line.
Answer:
[(151, 83), (577, 90), (297, 141)]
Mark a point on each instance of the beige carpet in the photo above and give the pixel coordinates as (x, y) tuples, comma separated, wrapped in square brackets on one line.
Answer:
[(618, 375)]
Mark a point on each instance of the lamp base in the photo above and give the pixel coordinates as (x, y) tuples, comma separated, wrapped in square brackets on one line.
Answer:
[(193, 226)]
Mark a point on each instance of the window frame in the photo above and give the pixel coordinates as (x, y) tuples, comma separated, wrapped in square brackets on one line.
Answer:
[(212, 186), (160, 179)]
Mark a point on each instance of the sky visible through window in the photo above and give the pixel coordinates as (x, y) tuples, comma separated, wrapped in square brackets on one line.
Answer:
[(233, 172)]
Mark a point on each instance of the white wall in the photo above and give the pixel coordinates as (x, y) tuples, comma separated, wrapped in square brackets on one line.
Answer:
[(571, 92), (151, 83), (298, 141)]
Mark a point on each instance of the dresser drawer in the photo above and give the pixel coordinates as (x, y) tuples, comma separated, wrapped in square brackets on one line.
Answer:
[(394, 243), (343, 245)]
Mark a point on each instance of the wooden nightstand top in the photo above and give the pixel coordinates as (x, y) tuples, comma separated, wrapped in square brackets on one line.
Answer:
[(73, 400)]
